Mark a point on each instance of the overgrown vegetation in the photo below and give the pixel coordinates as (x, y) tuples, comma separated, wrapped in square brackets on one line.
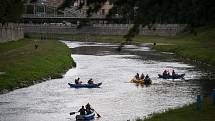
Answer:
[(194, 13), (22, 64), (186, 113), (11, 10)]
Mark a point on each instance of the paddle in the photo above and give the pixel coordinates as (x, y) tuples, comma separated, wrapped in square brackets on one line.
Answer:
[(72, 113), (98, 115), (183, 79)]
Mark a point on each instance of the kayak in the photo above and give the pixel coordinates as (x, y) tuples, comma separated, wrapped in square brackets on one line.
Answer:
[(85, 117), (141, 81), (177, 76), (85, 85)]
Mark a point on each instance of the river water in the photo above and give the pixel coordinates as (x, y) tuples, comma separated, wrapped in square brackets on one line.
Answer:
[(117, 99)]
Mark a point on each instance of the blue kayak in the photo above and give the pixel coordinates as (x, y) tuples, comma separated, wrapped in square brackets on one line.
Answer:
[(85, 85), (177, 76), (86, 117)]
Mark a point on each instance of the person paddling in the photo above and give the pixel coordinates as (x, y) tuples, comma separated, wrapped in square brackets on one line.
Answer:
[(90, 81), (142, 76), (82, 110), (165, 73), (88, 108), (77, 81), (168, 74), (173, 73), (147, 77), (137, 76)]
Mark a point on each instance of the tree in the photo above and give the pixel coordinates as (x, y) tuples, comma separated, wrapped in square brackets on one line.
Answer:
[(147, 12), (11, 10)]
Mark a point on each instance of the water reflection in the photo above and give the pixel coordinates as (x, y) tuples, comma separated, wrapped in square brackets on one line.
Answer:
[(117, 99)]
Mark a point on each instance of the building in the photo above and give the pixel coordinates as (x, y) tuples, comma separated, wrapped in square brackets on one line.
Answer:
[(54, 2), (105, 8), (103, 11)]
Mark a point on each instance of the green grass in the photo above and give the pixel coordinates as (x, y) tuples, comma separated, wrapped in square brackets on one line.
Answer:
[(23, 65), (99, 38), (200, 48), (186, 113)]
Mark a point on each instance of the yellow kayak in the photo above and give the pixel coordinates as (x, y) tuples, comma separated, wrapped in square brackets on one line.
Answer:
[(141, 81)]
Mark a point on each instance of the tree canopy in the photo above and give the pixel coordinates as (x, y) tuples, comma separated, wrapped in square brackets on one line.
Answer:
[(194, 12), (11, 10), (147, 12)]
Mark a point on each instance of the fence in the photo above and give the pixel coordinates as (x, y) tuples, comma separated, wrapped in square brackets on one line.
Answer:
[(10, 32)]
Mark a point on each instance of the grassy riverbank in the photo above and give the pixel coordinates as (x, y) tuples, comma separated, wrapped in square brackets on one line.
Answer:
[(22, 65), (187, 113), (90, 38), (200, 48)]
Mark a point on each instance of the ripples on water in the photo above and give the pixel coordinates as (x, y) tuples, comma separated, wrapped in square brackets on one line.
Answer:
[(116, 100)]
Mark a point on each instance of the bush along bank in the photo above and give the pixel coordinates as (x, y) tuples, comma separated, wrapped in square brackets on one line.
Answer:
[(26, 62)]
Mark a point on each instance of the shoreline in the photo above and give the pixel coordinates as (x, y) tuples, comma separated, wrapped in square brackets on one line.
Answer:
[(186, 113), (186, 47), (23, 65), (196, 50)]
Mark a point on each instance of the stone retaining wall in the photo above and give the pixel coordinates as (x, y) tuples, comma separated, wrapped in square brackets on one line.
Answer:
[(104, 29), (10, 32)]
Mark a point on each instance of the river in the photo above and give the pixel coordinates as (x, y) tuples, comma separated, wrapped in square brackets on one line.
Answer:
[(117, 99)]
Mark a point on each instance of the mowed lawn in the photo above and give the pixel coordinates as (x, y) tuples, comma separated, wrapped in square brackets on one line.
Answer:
[(21, 64)]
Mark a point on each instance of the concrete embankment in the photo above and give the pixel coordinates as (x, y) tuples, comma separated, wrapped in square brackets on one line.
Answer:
[(10, 32), (104, 29)]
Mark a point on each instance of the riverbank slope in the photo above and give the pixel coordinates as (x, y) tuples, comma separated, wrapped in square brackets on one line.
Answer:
[(187, 113), (199, 48), (23, 64)]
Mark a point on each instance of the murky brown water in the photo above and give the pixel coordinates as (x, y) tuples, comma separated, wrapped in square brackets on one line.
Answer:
[(116, 100)]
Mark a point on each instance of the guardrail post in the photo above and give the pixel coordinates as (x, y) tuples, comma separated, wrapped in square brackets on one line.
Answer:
[(198, 102)]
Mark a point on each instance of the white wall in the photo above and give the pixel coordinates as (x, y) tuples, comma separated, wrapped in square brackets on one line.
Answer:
[(10, 32), (105, 29)]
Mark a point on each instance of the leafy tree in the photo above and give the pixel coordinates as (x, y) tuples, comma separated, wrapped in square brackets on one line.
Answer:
[(94, 5), (192, 12), (147, 12), (11, 10), (66, 3)]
